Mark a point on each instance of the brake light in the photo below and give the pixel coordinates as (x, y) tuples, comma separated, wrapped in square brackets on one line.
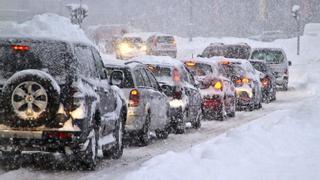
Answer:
[(238, 81), (20, 48), (59, 135), (217, 85), (134, 98), (190, 63), (176, 75), (265, 82)]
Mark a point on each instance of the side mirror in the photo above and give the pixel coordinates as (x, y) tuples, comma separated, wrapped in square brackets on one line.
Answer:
[(116, 78), (166, 89), (289, 63)]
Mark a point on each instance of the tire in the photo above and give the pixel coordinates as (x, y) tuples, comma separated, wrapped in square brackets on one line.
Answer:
[(180, 127), (144, 134), (17, 91), (89, 162), (162, 134), (117, 150), (221, 115), (197, 123), (285, 86)]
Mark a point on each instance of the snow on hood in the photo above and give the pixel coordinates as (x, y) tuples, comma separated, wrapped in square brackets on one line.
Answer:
[(47, 25)]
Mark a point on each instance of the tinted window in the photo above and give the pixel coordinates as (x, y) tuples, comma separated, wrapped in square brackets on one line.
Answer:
[(86, 61), (260, 66), (272, 57), (99, 64), (128, 81), (43, 55), (153, 80), (139, 78), (165, 39), (200, 69), (145, 78)]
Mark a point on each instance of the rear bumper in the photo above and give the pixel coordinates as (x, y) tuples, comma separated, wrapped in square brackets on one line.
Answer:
[(135, 120)]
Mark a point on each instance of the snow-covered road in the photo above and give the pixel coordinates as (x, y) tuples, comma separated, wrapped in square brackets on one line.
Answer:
[(135, 157)]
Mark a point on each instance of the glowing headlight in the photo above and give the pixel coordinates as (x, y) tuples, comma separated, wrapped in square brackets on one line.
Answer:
[(124, 48), (143, 48)]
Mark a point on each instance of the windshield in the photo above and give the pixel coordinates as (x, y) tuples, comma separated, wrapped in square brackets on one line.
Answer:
[(270, 56), (200, 69), (166, 39), (50, 57), (262, 67)]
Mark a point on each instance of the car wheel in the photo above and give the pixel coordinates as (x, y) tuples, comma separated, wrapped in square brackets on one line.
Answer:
[(197, 123), (162, 134), (144, 135), (31, 100), (285, 86), (180, 127), (89, 160), (117, 150), (221, 115)]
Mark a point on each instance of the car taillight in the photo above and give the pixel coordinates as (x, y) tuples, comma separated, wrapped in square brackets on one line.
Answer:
[(134, 98), (265, 82), (58, 135), (238, 81), (217, 85), (20, 48)]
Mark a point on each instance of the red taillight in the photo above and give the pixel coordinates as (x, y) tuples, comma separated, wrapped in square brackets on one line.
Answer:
[(238, 81), (59, 135), (20, 48), (265, 82), (134, 98)]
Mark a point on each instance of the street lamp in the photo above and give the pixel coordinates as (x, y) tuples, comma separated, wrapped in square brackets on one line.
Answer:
[(296, 15)]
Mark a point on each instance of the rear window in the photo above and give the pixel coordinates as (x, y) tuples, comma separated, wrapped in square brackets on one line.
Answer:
[(165, 39), (234, 70), (200, 69), (262, 67), (51, 57), (270, 56), (228, 51), (128, 81)]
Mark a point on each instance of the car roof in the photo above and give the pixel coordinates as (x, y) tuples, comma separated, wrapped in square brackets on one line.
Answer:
[(47, 39), (122, 63), (159, 60)]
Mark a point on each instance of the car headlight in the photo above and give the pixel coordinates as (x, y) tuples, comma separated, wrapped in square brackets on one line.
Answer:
[(124, 48), (143, 48)]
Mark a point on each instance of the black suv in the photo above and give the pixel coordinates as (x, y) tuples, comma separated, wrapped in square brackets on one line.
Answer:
[(55, 101)]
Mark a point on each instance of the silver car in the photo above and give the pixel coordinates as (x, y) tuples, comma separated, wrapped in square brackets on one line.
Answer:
[(162, 45), (277, 60), (148, 107)]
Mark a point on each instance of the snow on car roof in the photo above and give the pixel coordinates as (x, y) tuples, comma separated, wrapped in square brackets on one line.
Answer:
[(159, 60), (212, 60), (121, 63), (45, 26), (267, 48)]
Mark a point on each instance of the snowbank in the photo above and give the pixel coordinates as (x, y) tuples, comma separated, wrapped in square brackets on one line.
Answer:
[(45, 26)]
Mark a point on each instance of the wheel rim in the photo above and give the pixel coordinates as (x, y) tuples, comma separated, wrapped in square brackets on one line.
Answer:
[(29, 99)]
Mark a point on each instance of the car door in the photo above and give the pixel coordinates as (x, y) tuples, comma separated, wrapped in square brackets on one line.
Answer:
[(154, 101), (143, 90), (161, 101), (193, 94)]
